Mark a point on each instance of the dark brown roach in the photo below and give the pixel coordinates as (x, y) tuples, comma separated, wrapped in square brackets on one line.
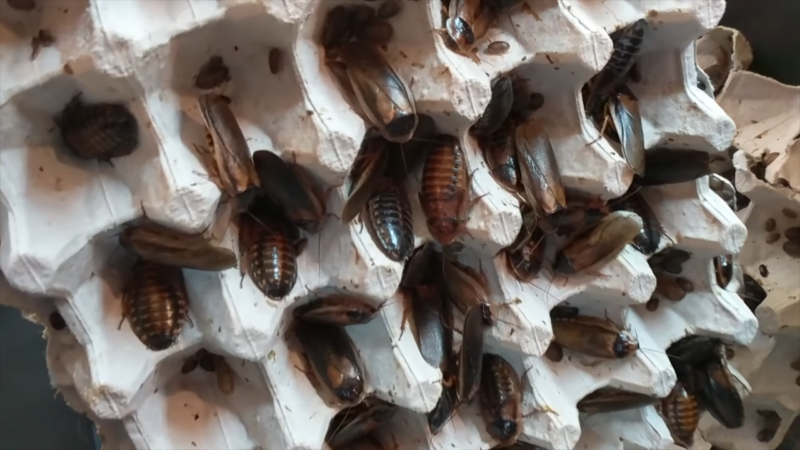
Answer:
[(212, 74), (189, 364), (405, 159), (670, 166), (649, 237), (539, 172), (98, 130), (628, 126), (525, 262), (792, 234), (573, 219), (337, 309), (367, 170), (389, 9), (609, 399), (652, 304), (599, 244), (465, 287), (497, 48), (444, 409), (467, 22), (789, 213), (432, 326), (681, 413), (336, 30), (57, 321), (207, 360), (376, 32), (498, 108), (419, 267), (770, 423), (717, 393), (155, 302), (226, 377), (355, 422), (388, 219), (724, 189), (500, 153), (470, 355), (593, 336), (669, 288), (170, 247), (275, 60), (445, 192), (501, 399), (333, 361), (519, 445), (293, 189), (669, 260), (723, 270)]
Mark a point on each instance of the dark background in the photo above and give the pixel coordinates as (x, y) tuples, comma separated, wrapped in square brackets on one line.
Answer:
[(33, 417)]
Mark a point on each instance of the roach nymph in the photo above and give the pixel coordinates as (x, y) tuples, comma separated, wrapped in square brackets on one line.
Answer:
[(501, 399), (98, 130), (388, 219)]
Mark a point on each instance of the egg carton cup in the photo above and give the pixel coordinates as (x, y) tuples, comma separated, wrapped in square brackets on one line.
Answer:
[(60, 215)]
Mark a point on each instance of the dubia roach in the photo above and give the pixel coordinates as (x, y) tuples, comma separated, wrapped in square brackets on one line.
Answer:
[(681, 413), (333, 361), (166, 246), (155, 302), (717, 392), (723, 270), (649, 237), (293, 189), (498, 108), (418, 268), (355, 422), (497, 48), (444, 192), (341, 310), (388, 219), (432, 326), (228, 161), (500, 152), (470, 355), (610, 399), (212, 74), (572, 220), (593, 336), (670, 166), (599, 244), (368, 168), (465, 287), (467, 22), (539, 169), (501, 399), (99, 131), (525, 262)]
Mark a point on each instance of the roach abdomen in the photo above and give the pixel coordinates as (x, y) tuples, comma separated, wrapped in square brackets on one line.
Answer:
[(444, 173), (273, 266), (156, 304), (390, 214), (681, 414), (100, 130)]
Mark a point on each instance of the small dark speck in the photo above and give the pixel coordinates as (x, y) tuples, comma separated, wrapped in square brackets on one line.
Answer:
[(156, 391), (621, 439), (245, 379), (309, 113), (512, 332), (196, 416), (236, 48), (549, 59), (753, 121), (219, 330), (41, 169), (66, 10), (193, 444), (185, 405), (624, 294), (524, 58), (556, 68)]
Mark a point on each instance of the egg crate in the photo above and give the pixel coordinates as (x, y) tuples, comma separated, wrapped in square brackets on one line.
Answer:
[(61, 214)]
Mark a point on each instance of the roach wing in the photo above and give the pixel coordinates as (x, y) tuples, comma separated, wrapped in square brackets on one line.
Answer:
[(368, 168), (669, 166), (164, 246), (539, 169), (498, 109), (628, 123), (717, 392), (471, 355), (433, 339)]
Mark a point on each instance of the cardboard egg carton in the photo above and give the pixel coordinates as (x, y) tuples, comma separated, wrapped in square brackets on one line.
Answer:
[(61, 214)]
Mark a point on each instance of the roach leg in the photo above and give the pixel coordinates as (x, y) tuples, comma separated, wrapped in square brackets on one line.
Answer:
[(119, 327), (602, 130)]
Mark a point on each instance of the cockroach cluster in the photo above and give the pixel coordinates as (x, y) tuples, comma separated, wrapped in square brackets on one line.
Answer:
[(466, 22), (211, 362)]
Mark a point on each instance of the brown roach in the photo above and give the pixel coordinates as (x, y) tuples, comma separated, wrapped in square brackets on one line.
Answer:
[(467, 22), (155, 302), (337, 309), (649, 237), (609, 399), (501, 399), (770, 225), (99, 131), (628, 131), (470, 355), (751, 292), (573, 219), (206, 359), (367, 170), (170, 247), (268, 248), (376, 32), (792, 233), (694, 350), (57, 321), (389, 9), (333, 361), (226, 377), (41, 40), (792, 248), (212, 74), (500, 153), (293, 189), (669, 288), (22, 5), (717, 393), (670, 166), (275, 60), (497, 48), (388, 219), (382, 95), (593, 336), (772, 238), (498, 108), (652, 304), (599, 244), (418, 268), (432, 326), (681, 413), (539, 172), (554, 352), (355, 422), (189, 364), (525, 262), (444, 409), (228, 161), (724, 189), (723, 270), (336, 30), (465, 287), (444, 192)]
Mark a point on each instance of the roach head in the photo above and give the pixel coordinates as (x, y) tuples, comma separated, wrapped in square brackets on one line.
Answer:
[(625, 345), (402, 127), (502, 427), (445, 230), (460, 31)]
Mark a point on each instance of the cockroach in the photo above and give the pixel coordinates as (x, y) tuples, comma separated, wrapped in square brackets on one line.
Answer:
[(626, 48), (212, 74), (336, 30), (670, 166), (594, 337), (649, 237), (609, 399), (792, 234), (464, 286), (539, 172), (334, 362), (432, 326), (360, 15), (389, 9), (368, 168), (763, 270), (275, 60), (501, 399), (189, 364), (232, 167), (444, 192), (470, 355), (672, 260), (376, 32), (418, 268), (751, 292), (353, 423), (293, 189), (498, 108), (771, 422), (337, 309), (170, 247), (723, 270), (795, 365), (599, 244), (99, 131), (554, 352), (155, 302), (628, 126), (444, 409), (573, 219), (770, 225), (792, 214), (716, 391), (388, 219), (681, 413), (724, 189), (226, 377), (467, 22), (268, 248), (652, 304), (207, 360), (668, 288), (693, 350), (497, 48), (22, 5), (792, 248), (500, 153), (382, 95), (524, 263), (57, 321)]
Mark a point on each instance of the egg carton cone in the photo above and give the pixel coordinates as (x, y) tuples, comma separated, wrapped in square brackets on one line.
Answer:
[(61, 215), (766, 166)]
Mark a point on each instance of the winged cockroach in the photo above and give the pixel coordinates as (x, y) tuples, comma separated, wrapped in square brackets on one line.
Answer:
[(573, 219), (593, 336), (432, 326), (497, 110), (628, 125), (226, 377), (609, 399), (723, 270), (649, 237), (693, 350), (293, 189), (367, 170), (333, 361), (232, 166), (358, 421), (501, 399), (337, 309), (717, 393), (189, 364), (406, 158), (538, 168), (465, 287), (445, 407), (206, 360), (599, 244), (336, 30), (467, 21), (499, 151), (98, 130), (681, 413), (382, 95), (525, 262), (470, 356), (155, 302), (670, 166), (170, 247), (388, 219), (418, 268), (445, 191)]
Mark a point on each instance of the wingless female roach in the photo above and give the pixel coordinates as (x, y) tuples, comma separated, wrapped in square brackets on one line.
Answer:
[(600, 244), (388, 219), (99, 130), (501, 399)]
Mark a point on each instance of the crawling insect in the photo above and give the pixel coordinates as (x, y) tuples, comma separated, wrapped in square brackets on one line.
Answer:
[(610, 399), (465, 287), (376, 32), (388, 219), (341, 310), (681, 413), (470, 356), (649, 237), (498, 108), (358, 421), (500, 153), (226, 377), (99, 131), (671, 166), (432, 326), (212, 74), (501, 399), (467, 21), (599, 244), (539, 173), (593, 336)]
